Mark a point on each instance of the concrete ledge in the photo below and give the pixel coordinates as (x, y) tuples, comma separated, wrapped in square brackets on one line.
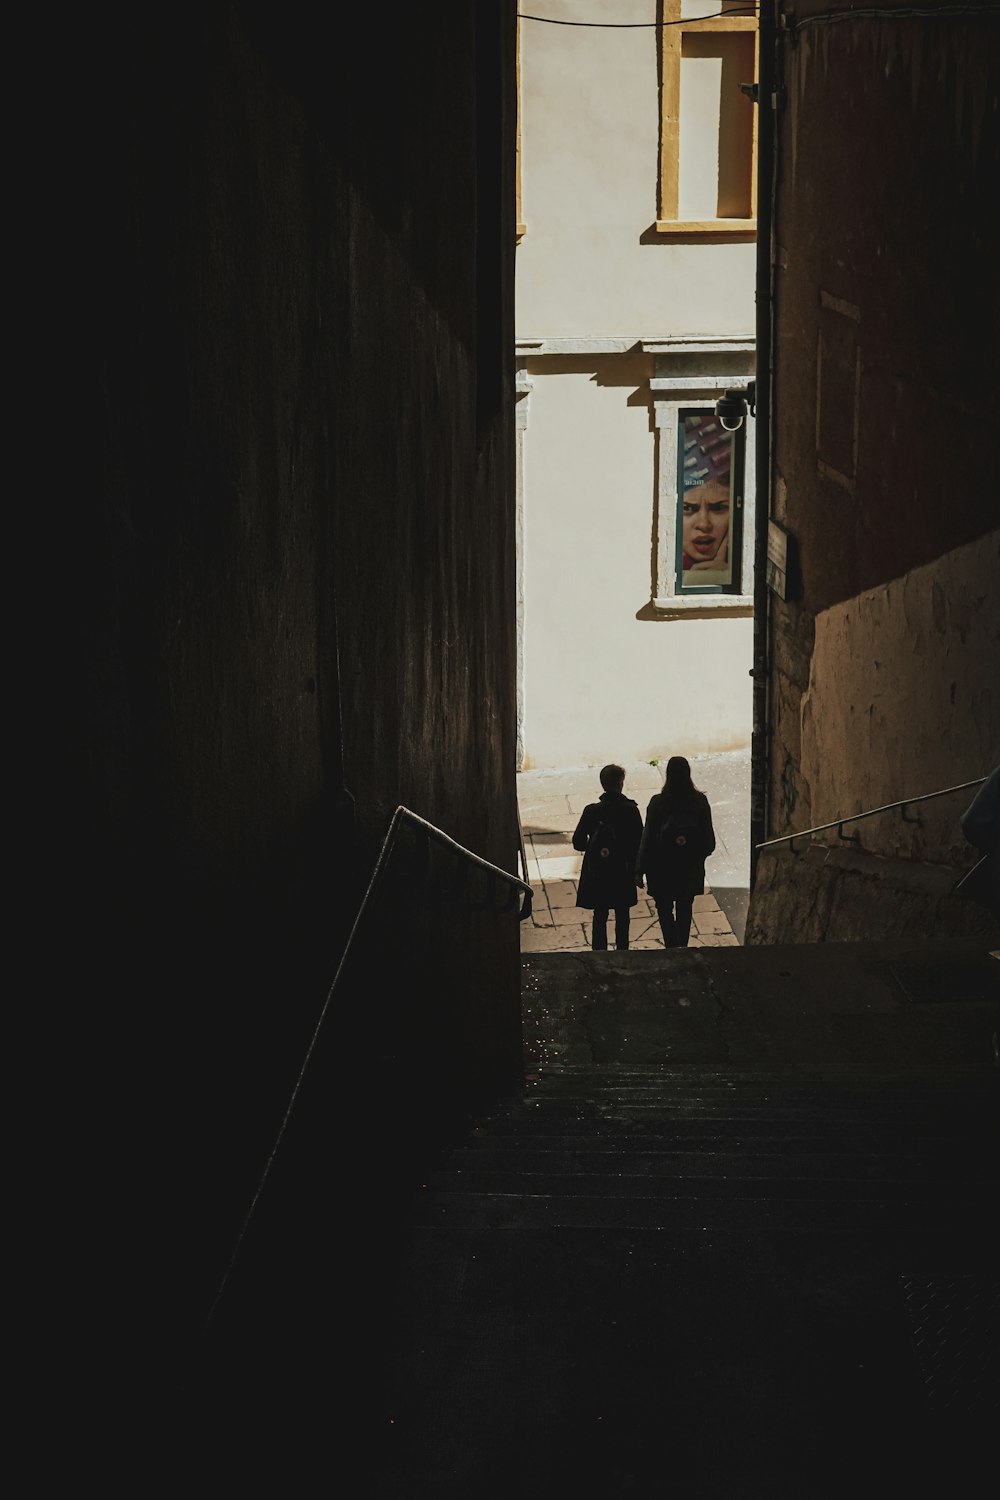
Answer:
[(821, 894)]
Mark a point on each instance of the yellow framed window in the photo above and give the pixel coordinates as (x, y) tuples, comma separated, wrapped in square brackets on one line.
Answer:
[(708, 121)]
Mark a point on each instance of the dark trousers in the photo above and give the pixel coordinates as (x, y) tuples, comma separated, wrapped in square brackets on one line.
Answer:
[(623, 915), (675, 920)]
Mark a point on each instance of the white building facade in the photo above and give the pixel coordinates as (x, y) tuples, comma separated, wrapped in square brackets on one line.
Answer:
[(635, 311)]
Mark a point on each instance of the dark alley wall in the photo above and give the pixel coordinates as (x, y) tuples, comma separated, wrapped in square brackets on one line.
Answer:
[(284, 535), (885, 412)]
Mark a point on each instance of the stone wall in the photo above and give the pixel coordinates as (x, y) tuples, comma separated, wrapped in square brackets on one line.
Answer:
[(279, 512), (819, 894), (883, 657)]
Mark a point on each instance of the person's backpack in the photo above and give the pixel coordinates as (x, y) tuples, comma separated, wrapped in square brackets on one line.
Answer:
[(604, 853), (680, 842)]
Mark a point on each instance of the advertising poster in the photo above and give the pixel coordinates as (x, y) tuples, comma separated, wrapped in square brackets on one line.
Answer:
[(706, 501)]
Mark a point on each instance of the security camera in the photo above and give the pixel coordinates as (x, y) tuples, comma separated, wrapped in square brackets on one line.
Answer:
[(731, 409)]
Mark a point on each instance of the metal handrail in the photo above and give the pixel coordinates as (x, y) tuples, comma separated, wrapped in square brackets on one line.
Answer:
[(428, 830), (853, 838), (431, 831), (520, 842)]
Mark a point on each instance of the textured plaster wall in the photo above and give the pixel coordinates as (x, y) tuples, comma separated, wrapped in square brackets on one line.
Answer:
[(591, 261), (888, 695), (823, 894), (604, 678), (904, 698)]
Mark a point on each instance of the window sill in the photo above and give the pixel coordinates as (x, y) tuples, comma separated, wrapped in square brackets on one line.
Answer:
[(520, 230), (707, 228), (705, 606)]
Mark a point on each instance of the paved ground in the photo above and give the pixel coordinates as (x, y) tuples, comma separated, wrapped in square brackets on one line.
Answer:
[(551, 802)]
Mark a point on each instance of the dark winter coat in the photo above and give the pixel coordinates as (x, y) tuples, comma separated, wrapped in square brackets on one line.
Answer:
[(661, 885), (608, 882)]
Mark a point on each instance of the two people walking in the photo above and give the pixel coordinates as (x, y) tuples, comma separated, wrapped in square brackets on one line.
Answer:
[(666, 853)]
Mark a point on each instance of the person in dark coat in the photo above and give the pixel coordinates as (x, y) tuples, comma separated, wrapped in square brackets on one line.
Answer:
[(677, 838), (608, 835)]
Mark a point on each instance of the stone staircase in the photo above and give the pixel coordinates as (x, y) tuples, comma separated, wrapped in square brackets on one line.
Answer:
[(694, 1261), (737, 1236)]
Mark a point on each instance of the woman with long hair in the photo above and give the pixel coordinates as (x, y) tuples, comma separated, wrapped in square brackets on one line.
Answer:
[(677, 839)]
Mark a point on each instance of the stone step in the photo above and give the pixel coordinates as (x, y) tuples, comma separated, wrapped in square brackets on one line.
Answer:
[(744, 1209), (872, 1097), (811, 1135), (639, 1103), (692, 1075), (630, 1183), (675, 1147), (565, 1159)]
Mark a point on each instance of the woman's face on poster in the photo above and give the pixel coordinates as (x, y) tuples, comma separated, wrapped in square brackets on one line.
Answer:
[(706, 523)]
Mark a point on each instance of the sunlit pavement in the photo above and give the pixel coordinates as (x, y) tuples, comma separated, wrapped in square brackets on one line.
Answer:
[(550, 803)]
